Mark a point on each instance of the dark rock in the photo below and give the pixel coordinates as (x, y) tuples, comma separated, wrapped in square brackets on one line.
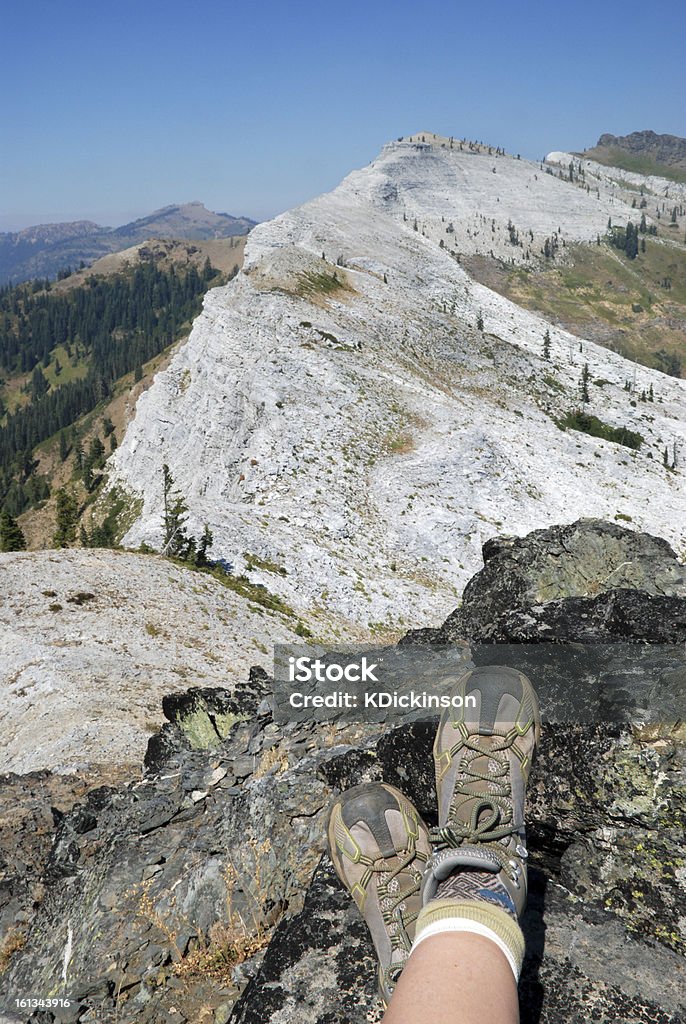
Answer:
[(545, 587), (669, 150), (319, 967)]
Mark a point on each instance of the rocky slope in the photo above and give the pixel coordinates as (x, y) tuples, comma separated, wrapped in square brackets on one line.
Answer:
[(138, 901), (90, 641), (356, 409)]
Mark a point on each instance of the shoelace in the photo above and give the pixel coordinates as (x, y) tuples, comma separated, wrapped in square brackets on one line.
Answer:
[(482, 828), (391, 914), (399, 937)]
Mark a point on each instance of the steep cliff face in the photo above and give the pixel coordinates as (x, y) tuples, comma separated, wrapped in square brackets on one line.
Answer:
[(356, 409), (202, 893)]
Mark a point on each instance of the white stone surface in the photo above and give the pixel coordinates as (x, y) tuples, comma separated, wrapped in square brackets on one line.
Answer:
[(83, 683)]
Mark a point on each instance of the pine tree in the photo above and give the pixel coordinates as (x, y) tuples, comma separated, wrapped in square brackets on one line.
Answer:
[(203, 547), (585, 375), (174, 518), (11, 535), (546, 344), (96, 453), (39, 384), (64, 446), (66, 520), (631, 245), (479, 322)]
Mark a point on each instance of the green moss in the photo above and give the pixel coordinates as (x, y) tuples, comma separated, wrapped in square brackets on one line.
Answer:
[(201, 731)]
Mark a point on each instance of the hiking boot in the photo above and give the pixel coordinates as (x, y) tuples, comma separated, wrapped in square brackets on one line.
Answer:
[(482, 757), (379, 846)]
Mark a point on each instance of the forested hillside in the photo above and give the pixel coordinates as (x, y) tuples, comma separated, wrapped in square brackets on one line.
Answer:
[(61, 353)]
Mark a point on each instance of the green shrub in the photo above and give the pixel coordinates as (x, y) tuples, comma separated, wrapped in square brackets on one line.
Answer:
[(589, 424)]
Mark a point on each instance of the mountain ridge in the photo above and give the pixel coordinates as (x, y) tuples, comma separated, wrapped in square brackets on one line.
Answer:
[(389, 406), (43, 250)]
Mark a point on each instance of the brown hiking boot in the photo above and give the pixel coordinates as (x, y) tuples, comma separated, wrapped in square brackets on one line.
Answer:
[(482, 757), (379, 846)]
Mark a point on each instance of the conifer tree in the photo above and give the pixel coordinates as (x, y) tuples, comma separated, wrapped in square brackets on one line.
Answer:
[(11, 534), (64, 446), (174, 517), (66, 520)]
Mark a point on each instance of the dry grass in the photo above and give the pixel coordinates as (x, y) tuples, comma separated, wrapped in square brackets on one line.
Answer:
[(272, 758), (232, 941), (14, 940), (238, 935)]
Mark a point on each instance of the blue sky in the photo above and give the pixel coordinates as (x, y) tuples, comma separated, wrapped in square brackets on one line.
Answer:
[(115, 109)]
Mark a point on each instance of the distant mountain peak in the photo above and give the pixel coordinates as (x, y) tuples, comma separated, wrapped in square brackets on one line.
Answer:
[(44, 249)]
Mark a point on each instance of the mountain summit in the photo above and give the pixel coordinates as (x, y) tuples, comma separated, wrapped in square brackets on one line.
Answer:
[(354, 414)]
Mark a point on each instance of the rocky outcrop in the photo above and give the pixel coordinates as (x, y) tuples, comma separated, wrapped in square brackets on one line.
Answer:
[(589, 582), (664, 149), (202, 892)]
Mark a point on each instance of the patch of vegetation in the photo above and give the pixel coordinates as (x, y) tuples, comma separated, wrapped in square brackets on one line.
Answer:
[(13, 942), (245, 928), (553, 383), (61, 354), (255, 592), (594, 293), (400, 443), (588, 424), (255, 562), (313, 282)]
